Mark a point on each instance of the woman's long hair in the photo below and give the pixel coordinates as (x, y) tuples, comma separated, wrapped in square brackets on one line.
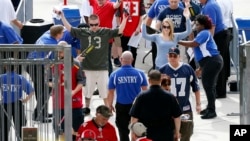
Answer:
[(170, 22)]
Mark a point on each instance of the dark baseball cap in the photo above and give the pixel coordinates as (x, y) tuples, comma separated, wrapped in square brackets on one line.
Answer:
[(104, 111), (174, 50)]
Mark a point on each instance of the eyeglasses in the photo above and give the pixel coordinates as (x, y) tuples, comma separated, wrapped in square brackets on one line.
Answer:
[(172, 55), (163, 26), (94, 24)]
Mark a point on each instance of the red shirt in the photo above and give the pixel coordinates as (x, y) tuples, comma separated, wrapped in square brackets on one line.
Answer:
[(77, 98), (107, 132), (105, 13), (136, 9)]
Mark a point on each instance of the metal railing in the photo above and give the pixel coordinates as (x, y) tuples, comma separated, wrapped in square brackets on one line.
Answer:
[(17, 120), (244, 83)]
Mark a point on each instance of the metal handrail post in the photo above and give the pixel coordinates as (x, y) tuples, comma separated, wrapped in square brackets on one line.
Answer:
[(244, 50)]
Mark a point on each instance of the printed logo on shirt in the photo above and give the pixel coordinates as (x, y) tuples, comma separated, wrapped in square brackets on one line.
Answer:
[(11, 88), (127, 79)]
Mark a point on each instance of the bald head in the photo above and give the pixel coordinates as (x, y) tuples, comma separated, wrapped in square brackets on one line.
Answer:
[(126, 58)]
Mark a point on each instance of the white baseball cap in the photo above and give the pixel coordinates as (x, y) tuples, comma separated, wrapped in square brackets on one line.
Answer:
[(138, 128)]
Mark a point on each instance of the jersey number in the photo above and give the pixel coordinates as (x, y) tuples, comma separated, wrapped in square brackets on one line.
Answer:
[(97, 41), (132, 6), (178, 81)]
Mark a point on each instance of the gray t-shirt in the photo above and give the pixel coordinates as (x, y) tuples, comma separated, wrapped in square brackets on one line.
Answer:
[(97, 59)]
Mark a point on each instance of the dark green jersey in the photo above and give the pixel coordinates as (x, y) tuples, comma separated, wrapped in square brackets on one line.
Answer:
[(96, 59)]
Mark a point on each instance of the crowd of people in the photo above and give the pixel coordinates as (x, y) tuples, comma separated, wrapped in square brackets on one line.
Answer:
[(155, 107)]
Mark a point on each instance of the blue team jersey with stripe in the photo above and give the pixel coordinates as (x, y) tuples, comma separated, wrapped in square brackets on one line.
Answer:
[(182, 79), (207, 47), (127, 81), (12, 86)]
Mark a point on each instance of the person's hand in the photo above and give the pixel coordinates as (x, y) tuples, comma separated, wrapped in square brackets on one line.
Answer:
[(137, 31), (58, 12), (187, 3), (198, 108), (80, 58), (125, 15), (186, 13), (111, 107), (198, 72), (24, 100), (177, 136)]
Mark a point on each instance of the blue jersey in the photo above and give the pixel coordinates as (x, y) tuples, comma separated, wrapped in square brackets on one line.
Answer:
[(8, 35), (45, 39), (212, 9), (12, 86), (207, 47), (181, 79), (157, 7), (128, 82), (74, 42), (177, 17)]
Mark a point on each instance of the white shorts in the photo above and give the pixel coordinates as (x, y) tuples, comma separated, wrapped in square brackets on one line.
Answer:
[(99, 79)]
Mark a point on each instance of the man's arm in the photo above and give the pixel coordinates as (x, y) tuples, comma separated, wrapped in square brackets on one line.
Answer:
[(177, 123), (28, 97), (17, 23), (64, 20), (77, 88), (148, 21), (123, 24), (198, 101), (110, 99), (212, 30), (133, 120), (158, 25)]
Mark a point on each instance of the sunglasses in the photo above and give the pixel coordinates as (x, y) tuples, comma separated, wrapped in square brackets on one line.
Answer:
[(163, 26), (172, 55), (94, 24)]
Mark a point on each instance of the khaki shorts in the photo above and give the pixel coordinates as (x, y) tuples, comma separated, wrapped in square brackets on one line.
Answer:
[(97, 79)]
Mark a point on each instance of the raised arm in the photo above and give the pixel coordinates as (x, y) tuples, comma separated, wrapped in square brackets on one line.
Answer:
[(123, 24), (64, 20), (188, 31), (145, 35)]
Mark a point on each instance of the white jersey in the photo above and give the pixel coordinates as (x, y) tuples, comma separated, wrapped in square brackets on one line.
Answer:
[(7, 12)]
